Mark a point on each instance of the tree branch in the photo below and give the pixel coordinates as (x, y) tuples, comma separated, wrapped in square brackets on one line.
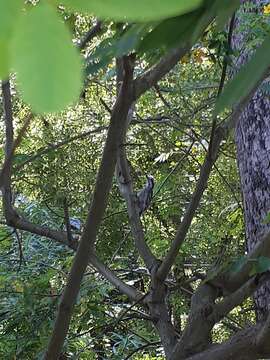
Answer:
[(229, 281), (67, 220), (95, 215), (89, 36), (262, 339), (126, 189), (8, 117), (12, 217), (8, 159), (56, 146), (18, 222), (150, 78), (145, 81), (109, 275), (230, 302), (220, 134), (241, 346), (197, 333)]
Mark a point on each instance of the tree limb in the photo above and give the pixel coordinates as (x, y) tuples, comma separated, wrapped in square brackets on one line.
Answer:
[(67, 220), (197, 333), (231, 281), (9, 133), (126, 189), (9, 158), (12, 217), (56, 146), (220, 134), (89, 36), (230, 302), (262, 339), (18, 222), (109, 275), (95, 215), (148, 79), (241, 346)]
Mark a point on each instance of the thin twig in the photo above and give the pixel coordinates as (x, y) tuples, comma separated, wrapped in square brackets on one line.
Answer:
[(67, 220), (21, 257), (51, 147), (173, 169), (145, 346)]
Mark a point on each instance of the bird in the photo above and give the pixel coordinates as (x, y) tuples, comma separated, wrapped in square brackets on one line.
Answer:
[(75, 224), (144, 196)]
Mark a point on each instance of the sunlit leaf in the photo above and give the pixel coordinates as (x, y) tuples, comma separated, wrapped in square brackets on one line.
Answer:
[(163, 157), (47, 64), (9, 11)]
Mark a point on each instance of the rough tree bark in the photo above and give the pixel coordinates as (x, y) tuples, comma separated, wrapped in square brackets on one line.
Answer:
[(252, 138)]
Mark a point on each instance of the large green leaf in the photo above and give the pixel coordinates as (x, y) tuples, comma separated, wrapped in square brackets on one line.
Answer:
[(102, 56), (129, 10), (237, 265), (48, 65), (261, 265), (225, 9), (9, 11), (170, 32), (246, 78), (130, 39)]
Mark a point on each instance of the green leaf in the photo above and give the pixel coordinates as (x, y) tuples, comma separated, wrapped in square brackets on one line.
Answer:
[(4, 60), (20, 158), (130, 39), (261, 265), (129, 10), (101, 57), (205, 19), (246, 79), (9, 11), (48, 66), (238, 264), (170, 32), (225, 9), (115, 46)]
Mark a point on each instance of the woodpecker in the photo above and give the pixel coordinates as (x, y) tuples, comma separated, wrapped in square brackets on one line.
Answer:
[(145, 195), (75, 224)]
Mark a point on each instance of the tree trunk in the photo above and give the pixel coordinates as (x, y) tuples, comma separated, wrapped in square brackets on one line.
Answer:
[(252, 138)]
